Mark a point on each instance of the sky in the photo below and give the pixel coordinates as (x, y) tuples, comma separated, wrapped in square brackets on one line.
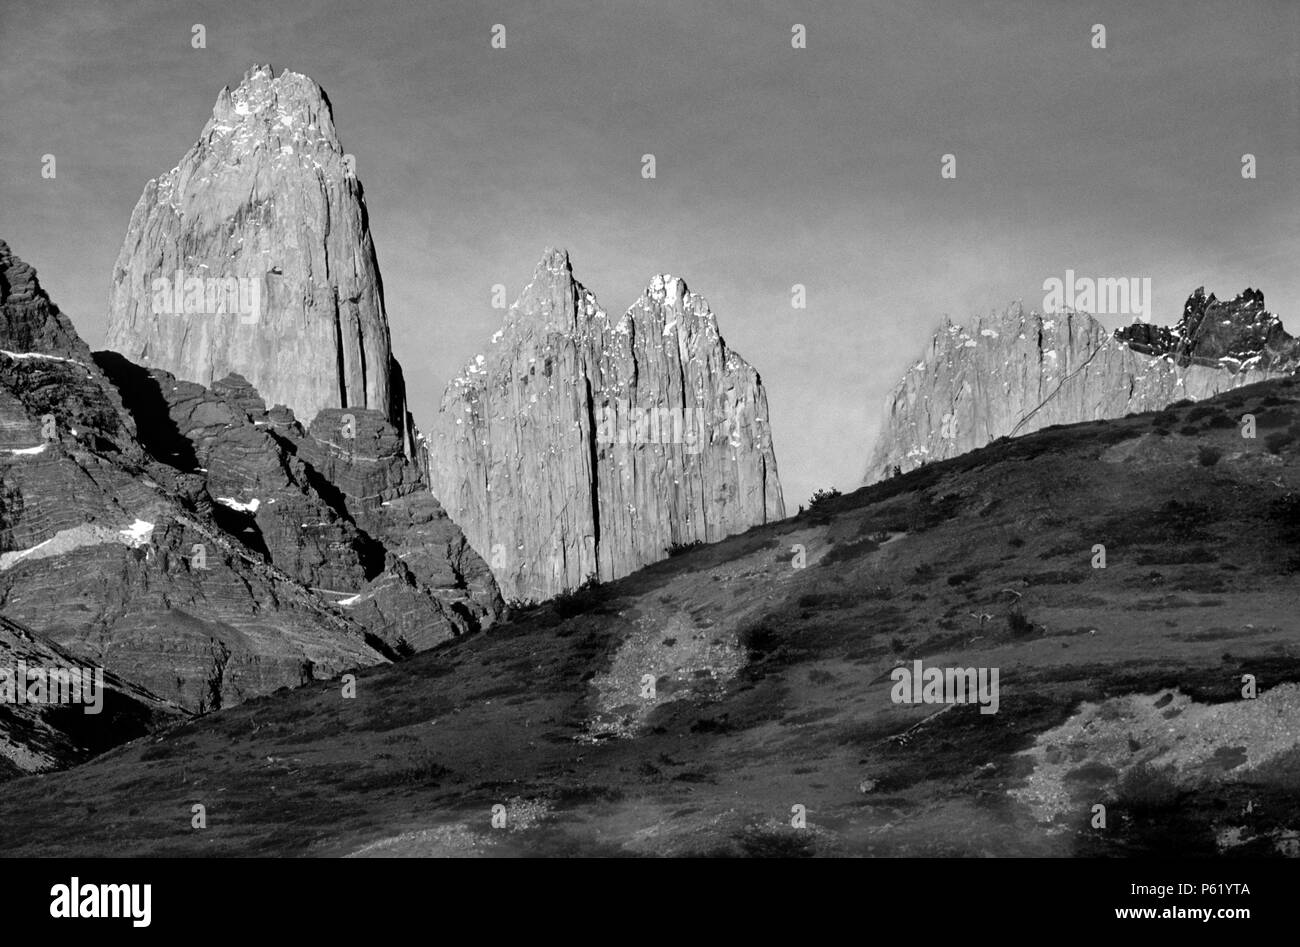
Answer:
[(775, 166)]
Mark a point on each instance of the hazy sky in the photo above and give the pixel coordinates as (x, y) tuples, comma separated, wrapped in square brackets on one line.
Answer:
[(775, 166)]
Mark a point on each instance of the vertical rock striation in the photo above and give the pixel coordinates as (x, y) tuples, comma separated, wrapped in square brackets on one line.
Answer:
[(583, 446), (1015, 373), (253, 255)]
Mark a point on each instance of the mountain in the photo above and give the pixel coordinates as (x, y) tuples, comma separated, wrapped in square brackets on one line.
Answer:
[(253, 255), (775, 687), (582, 446), (119, 559), (1235, 334), (1013, 373), (336, 505), (37, 737)]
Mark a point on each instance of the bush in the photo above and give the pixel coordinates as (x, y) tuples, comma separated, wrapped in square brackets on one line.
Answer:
[(676, 549), (1018, 624), (423, 771), (1275, 442), (573, 602), (1202, 411), (822, 498), (1208, 456), (922, 573), (1222, 421), (1145, 789)]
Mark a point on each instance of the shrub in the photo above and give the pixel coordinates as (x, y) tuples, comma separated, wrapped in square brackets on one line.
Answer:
[(676, 549), (1275, 442), (923, 573), (1018, 624), (424, 770), (759, 640), (573, 602), (1208, 456), (822, 498), (1145, 789), (1202, 411)]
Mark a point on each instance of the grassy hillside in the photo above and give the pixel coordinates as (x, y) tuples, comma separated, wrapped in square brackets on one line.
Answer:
[(1119, 686)]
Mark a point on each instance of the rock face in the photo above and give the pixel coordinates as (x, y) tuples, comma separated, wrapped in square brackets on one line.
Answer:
[(1236, 334), (583, 446), (37, 737), (253, 255), (99, 540), (1015, 373), (339, 508)]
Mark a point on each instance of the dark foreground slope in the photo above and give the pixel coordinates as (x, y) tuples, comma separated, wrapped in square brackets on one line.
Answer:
[(1119, 687)]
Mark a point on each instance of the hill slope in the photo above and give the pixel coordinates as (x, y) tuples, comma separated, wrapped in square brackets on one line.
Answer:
[(1118, 686)]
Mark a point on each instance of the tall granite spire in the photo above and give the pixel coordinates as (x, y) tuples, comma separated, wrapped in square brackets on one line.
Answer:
[(253, 255), (587, 446)]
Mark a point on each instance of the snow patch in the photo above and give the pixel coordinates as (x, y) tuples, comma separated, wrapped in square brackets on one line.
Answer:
[(137, 534)]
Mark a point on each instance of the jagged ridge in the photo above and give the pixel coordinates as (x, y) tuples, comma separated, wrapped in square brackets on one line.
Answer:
[(556, 452), (1013, 373)]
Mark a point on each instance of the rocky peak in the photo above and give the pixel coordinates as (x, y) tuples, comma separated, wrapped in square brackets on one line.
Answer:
[(579, 446), (1013, 373), (29, 322), (254, 255), (1211, 331), (290, 99)]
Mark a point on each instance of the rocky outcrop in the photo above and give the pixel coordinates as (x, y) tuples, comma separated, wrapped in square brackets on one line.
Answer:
[(583, 446), (29, 321), (338, 508), (1235, 334), (253, 255), (1010, 374), (118, 559), (53, 732)]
